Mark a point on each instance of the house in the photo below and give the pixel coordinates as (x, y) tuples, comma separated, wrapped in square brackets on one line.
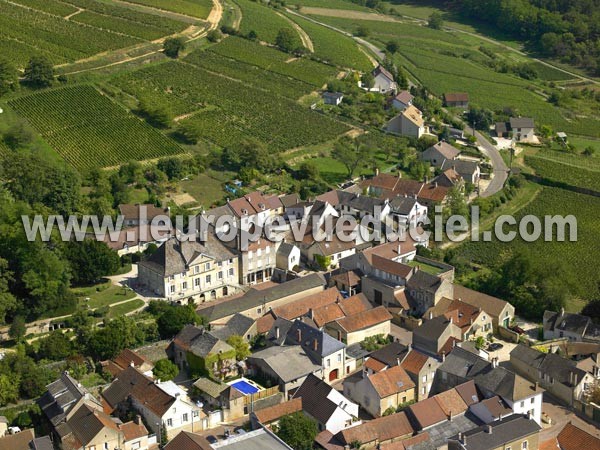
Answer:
[(440, 408), (574, 327), (433, 194), (572, 437), (502, 129), (238, 325), (436, 336), (355, 328), (473, 321), (145, 214), (409, 123), (257, 260), (125, 359), (501, 312), (347, 281), (188, 441), (359, 206), (333, 98), (518, 432), (381, 391), (456, 133), (252, 210), (522, 128), (449, 178), (407, 212), (424, 290), (403, 100), (468, 170), (559, 376), (491, 409), (202, 353), (371, 435), (256, 302), (326, 254), (270, 416), (384, 80), (161, 404), (202, 270), (456, 100), (18, 441), (342, 308), (221, 396), (440, 153), (421, 368), (327, 406), (135, 238), (288, 256)]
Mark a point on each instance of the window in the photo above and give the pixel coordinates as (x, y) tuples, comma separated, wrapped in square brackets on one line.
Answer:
[(339, 357), (197, 282), (328, 362), (184, 418), (207, 266), (522, 404), (250, 254), (135, 445), (194, 413), (259, 252), (184, 285), (207, 279), (182, 274), (106, 446), (532, 400), (197, 269), (524, 445), (424, 390), (172, 288), (220, 275), (220, 264), (92, 447), (169, 422), (424, 378), (268, 250), (231, 272)]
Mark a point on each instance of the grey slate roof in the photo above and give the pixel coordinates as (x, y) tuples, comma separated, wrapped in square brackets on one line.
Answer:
[(521, 122), (362, 202), (254, 440), (284, 326), (403, 205), (238, 325), (285, 249), (60, 396), (314, 394), (551, 364), (254, 297), (572, 323), (461, 166), (504, 432), (424, 280), (463, 364), (175, 256), (440, 433), (204, 344), (390, 353), (433, 328), (326, 344), (289, 362)]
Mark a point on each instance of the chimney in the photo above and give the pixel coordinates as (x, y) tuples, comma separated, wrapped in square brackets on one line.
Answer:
[(450, 415), (443, 356), (131, 364), (409, 347), (315, 345), (299, 335), (376, 171), (562, 311), (451, 320), (430, 315), (399, 249), (529, 415), (276, 332), (397, 361), (138, 419), (311, 313), (435, 184), (488, 429), (535, 386)]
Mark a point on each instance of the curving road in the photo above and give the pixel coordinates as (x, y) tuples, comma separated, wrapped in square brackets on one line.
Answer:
[(500, 167)]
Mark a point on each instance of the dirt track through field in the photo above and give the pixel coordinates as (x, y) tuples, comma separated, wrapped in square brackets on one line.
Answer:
[(304, 37)]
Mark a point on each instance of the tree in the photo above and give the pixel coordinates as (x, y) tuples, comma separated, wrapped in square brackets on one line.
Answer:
[(308, 170), (173, 46), (39, 72), (242, 348), (91, 260), (165, 370), (56, 346), (117, 334), (8, 302), (392, 46), (589, 151), (298, 431), (479, 118), (159, 116), (8, 76), (367, 80), (18, 328), (288, 40), (362, 31), (19, 134), (174, 319), (352, 153), (172, 167), (214, 36), (9, 389), (435, 21), (479, 342)]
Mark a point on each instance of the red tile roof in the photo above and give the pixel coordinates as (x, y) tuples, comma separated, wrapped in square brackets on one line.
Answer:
[(374, 365), (273, 413), (391, 381), (365, 319), (132, 430), (428, 412), (574, 438), (384, 429), (391, 267), (414, 362), (304, 305), (451, 402), (456, 97)]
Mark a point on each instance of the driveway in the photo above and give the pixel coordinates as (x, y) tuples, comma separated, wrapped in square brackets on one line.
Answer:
[(500, 167), (560, 416)]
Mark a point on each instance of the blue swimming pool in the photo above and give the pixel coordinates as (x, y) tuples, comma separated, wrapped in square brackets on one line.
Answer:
[(244, 387)]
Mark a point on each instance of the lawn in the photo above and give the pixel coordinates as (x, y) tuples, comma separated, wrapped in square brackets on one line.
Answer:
[(124, 308), (428, 268), (103, 295), (205, 188)]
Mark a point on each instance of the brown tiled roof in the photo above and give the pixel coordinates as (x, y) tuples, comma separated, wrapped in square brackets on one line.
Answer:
[(400, 296), (456, 97), (391, 267), (404, 96), (304, 305), (330, 197), (384, 181), (391, 250), (375, 365), (448, 345), (382, 70), (434, 193), (391, 381), (18, 441), (131, 382), (348, 278), (496, 407), (273, 413), (409, 188), (414, 115), (188, 441), (414, 362), (132, 212), (326, 314), (552, 444), (365, 319), (489, 304), (86, 423), (132, 430), (428, 412), (463, 315), (468, 392), (326, 440), (574, 438), (355, 304), (384, 429), (265, 323), (404, 444), (451, 402)]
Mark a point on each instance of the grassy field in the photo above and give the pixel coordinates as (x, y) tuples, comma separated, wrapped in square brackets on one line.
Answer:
[(333, 4), (88, 130), (207, 188), (104, 294), (194, 8), (262, 20), (332, 47), (124, 308), (580, 257), (271, 59), (226, 112)]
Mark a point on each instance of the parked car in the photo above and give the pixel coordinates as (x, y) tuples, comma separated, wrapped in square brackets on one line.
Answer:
[(517, 329), (211, 439), (495, 346)]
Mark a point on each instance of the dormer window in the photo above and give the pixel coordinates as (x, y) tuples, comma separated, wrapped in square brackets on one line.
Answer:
[(244, 211)]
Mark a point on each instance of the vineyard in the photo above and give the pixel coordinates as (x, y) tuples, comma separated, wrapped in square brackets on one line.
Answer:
[(227, 111), (260, 78), (333, 47), (38, 27), (273, 60), (88, 130), (570, 159), (580, 257), (562, 173), (194, 8), (333, 4), (262, 20)]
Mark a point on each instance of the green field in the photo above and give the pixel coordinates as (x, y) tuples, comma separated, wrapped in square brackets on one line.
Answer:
[(194, 8), (262, 20), (88, 130), (124, 308), (273, 60), (227, 112), (38, 27), (103, 295), (333, 4), (563, 172), (274, 82), (333, 47), (580, 257)]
